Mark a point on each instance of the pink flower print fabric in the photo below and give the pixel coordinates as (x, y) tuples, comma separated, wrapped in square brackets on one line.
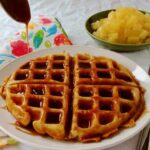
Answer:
[(44, 32)]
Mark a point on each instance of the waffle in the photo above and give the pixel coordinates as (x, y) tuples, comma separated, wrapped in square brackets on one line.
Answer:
[(101, 70), (84, 98), (99, 110), (52, 69), (45, 106)]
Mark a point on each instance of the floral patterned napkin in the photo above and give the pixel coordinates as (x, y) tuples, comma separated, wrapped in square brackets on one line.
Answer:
[(44, 32)]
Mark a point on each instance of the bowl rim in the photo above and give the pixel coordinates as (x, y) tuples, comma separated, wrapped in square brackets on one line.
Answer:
[(111, 43)]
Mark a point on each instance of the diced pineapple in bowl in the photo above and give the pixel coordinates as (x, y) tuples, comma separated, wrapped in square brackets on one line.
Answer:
[(123, 29)]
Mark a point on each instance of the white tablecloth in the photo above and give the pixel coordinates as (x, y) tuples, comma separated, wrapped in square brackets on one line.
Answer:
[(73, 14)]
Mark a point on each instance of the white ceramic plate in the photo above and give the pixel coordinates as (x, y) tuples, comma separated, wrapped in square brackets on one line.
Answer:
[(6, 119)]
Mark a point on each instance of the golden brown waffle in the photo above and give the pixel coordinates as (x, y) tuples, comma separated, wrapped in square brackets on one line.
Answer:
[(52, 69), (98, 110), (100, 70), (104, 96), (43, 105)]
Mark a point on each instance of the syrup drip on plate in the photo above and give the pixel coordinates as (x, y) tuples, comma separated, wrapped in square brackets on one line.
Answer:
[(28, 129)]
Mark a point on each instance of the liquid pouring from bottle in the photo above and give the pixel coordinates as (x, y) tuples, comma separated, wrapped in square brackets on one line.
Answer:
[(19, 10)]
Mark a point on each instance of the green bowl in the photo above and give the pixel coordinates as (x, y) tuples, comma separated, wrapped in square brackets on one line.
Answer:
[(112, 46)]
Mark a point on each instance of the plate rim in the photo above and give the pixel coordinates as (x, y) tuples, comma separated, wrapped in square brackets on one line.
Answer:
[(83, 148)]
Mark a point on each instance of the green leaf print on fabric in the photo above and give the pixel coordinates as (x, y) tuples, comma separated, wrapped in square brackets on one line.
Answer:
[(23, 35), (38, 38), (47, 44)]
